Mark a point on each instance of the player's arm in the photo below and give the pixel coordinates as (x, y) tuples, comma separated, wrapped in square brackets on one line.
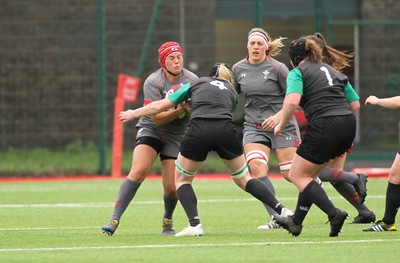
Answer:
[(157, 106), (354, 106), (180, 109), (389, 103), (293, 96), (152, 94), (165, 117), (290, 105), (147, 110), (352, 97)]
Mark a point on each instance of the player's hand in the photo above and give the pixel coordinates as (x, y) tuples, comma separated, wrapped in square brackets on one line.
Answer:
[(278, 130), (270, 123), (373, 100), (127, 115), (188, 106)]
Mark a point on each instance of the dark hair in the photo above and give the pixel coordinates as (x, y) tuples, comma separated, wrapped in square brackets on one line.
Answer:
[(304, 48), (333, 57), (297, 51)]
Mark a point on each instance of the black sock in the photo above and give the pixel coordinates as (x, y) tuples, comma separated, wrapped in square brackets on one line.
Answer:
[(302, 208), (188, 199), (270, 186), (169, 206), (335, 175), (317, 194), (126, 193), (260, 191), (350, 194), (392, 203)]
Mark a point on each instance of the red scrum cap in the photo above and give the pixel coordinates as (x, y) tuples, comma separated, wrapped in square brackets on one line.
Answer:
[(166, 49)]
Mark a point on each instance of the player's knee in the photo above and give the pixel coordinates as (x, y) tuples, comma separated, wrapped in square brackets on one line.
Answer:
[(137, 175)]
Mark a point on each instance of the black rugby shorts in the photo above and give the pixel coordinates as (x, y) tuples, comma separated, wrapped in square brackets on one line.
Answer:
[(327, 138), (205, 135)]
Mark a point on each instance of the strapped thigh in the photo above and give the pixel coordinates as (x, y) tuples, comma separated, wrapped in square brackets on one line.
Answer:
[(241, 172), (181, 170), (285, 166), (257, 155)]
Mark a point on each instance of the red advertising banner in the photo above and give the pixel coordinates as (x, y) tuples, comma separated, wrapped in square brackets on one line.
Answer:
[(127, 92), (128, 88)]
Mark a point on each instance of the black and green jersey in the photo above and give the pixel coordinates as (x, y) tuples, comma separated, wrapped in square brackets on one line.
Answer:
[(325, 91), (210, 98)]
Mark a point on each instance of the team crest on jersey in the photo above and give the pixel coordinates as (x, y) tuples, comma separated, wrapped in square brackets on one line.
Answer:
[(266, 73)]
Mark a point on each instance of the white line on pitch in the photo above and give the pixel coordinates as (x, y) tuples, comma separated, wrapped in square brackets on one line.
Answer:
[(108, 204), (44, 228), (196, 245)]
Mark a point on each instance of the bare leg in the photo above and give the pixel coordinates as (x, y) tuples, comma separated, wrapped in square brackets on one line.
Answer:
[(258, 156)]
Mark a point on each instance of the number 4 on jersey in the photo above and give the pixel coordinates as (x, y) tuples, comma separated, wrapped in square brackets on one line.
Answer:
[(219, 84)]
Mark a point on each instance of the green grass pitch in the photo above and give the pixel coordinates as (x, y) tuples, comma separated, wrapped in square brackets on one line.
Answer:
[(61, 222)]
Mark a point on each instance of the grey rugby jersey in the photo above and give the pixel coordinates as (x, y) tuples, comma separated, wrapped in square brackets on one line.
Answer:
[(156, 87), (263, 86)]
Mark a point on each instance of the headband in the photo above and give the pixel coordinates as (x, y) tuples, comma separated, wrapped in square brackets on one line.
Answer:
[(260, 36)]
